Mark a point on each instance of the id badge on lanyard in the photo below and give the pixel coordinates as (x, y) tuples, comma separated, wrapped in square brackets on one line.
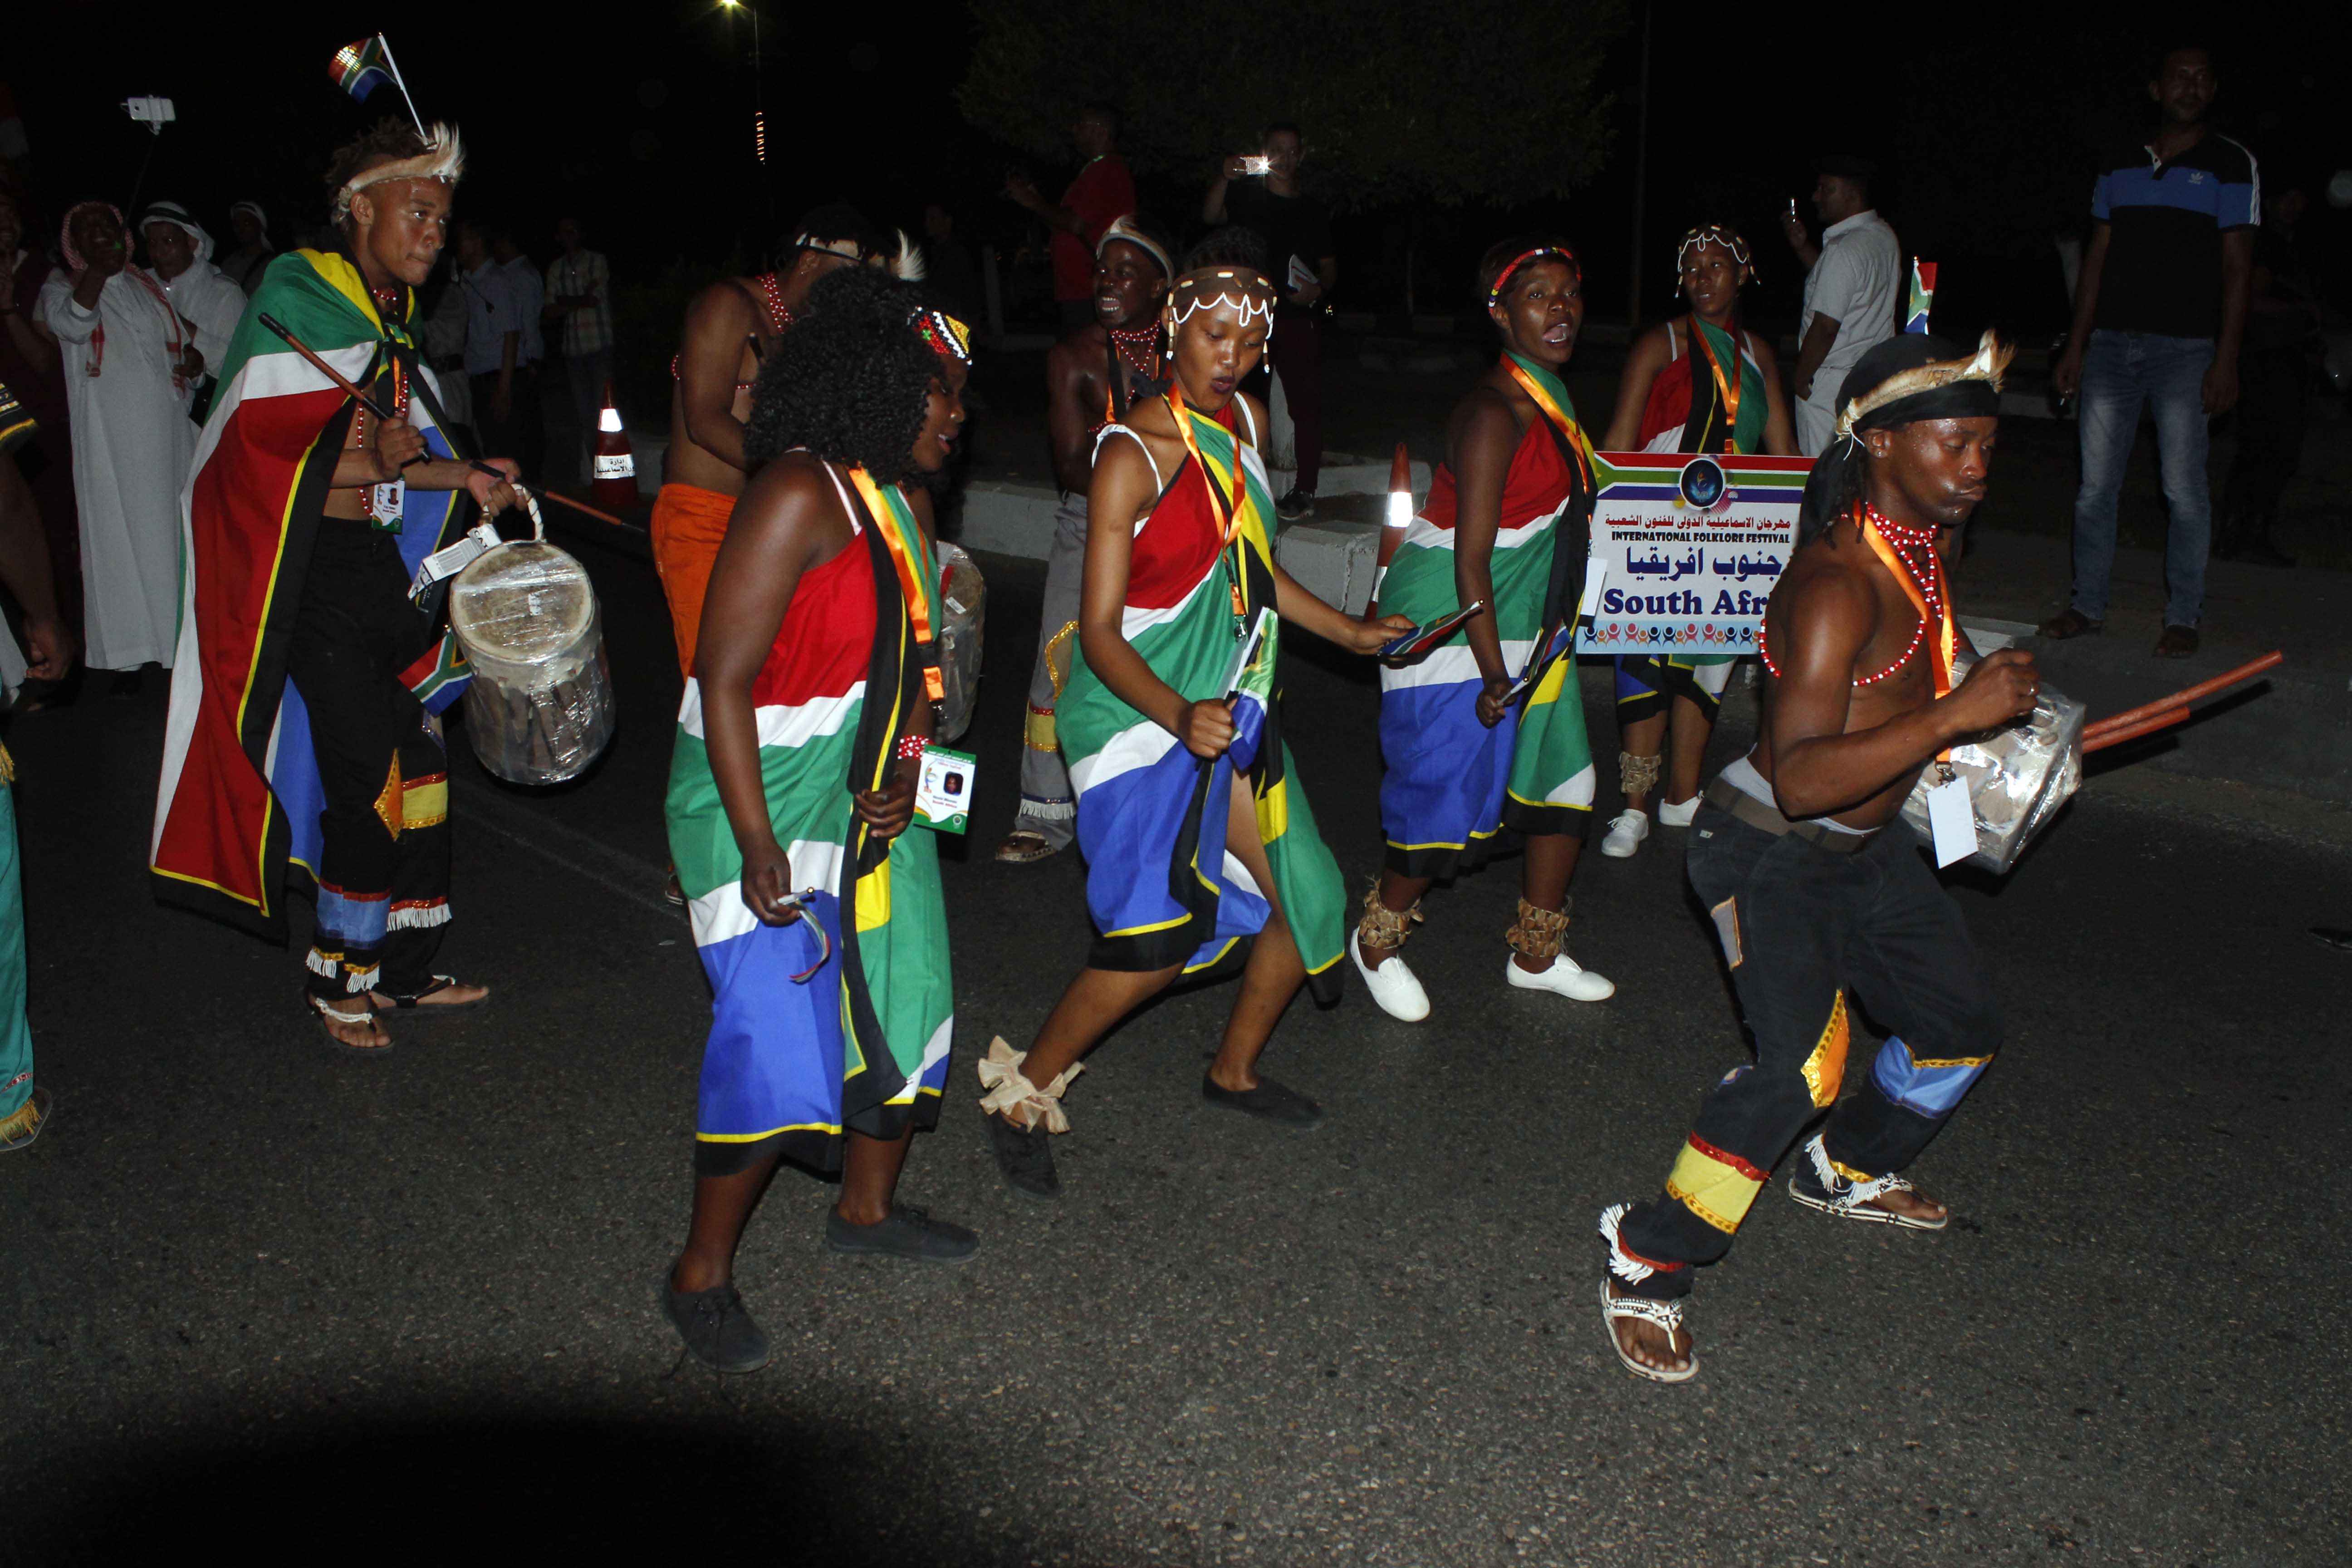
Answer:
[(384, 504)]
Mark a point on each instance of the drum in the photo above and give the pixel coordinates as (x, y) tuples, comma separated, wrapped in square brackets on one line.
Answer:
[(540, 708), (2018, 776), (963, 612)]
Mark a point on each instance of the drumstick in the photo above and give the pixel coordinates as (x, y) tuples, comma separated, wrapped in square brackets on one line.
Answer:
[(2245, 671), (2117, 735), (373, 406)]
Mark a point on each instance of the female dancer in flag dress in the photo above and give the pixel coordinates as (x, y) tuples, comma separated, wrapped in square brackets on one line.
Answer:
[(1704, 384), (1192, 816), (818, 917), (1487, 731)]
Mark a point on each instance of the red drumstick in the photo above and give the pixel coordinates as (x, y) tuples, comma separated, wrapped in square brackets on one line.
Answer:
[(370, 404), (2181, 699), (2117, 735)]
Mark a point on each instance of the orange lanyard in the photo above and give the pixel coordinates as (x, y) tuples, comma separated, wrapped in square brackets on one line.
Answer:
[(1727, 395), (896, 521), (1946, 645), (1561, 418), (1226, 510)]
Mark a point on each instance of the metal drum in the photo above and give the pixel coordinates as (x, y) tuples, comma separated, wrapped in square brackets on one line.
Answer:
[(539, 709), (2018, 776), (963, 612)]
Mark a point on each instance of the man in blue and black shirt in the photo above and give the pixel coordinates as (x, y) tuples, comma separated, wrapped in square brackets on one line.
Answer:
[(2158, 317)]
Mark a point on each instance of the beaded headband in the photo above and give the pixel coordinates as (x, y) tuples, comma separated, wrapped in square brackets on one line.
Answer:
[(947, 338), (1242, 288), (1527, 258), (1729, 240), (444, 158)]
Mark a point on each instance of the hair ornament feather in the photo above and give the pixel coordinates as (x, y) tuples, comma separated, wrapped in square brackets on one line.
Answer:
[(444, 158), (1987, 364), (907, 265)]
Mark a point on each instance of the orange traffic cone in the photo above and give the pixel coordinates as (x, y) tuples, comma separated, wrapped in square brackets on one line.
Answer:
[(616, 470)]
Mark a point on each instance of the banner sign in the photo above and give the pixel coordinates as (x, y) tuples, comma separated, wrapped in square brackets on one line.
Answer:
[(1686, 550)]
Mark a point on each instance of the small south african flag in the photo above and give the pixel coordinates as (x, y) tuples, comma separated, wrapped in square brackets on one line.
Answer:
[(358, 68)]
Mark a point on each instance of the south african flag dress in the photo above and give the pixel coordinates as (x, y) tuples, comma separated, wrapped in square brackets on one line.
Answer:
[(1453, 784), (1161, 888), (813, 1034)]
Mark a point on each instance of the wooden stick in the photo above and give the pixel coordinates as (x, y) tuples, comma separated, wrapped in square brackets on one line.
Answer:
[(2116, 735), (373, 406), (2245, 671)]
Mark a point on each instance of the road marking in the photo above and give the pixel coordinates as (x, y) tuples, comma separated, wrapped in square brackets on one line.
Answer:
[(585, 849)]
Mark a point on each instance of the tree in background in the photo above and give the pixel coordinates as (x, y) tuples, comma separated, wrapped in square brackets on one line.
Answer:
[(1402, 102)]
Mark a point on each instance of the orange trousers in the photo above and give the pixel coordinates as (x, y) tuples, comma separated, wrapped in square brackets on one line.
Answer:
[(689, 524)]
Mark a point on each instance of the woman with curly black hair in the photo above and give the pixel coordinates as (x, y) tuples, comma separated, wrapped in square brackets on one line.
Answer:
[(818, 917), (1192, 816)]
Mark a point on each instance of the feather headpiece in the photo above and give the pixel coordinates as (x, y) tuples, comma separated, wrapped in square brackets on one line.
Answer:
[(1984, 367), (444, 158)]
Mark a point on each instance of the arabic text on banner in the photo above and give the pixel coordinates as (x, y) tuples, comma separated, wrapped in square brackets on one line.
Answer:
[(1688, 558)]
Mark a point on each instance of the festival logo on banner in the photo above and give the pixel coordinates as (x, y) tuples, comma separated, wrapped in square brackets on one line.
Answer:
[(1686, 549)]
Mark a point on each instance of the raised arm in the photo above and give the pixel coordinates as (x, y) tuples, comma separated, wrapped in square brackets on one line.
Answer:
[(717, 321)]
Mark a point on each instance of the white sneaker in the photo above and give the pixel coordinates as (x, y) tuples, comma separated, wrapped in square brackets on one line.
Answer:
[(1626, 831), (1564, 977), (1393, 985), (1672, 815)]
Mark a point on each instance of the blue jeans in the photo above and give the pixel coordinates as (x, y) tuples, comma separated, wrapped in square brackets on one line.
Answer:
[(2120, 372)]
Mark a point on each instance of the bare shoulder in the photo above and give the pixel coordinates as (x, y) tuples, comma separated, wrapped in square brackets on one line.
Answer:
[(1825, 579), (727, 298), (1488, 417)]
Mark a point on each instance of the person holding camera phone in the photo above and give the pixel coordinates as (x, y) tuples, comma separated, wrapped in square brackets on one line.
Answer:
[(1300, 257)]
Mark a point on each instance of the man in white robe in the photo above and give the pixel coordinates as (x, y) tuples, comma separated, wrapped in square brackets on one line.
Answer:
[(127, 361), (180, 255)]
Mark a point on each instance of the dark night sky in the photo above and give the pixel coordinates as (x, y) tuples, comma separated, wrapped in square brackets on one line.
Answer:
[(639, 117)]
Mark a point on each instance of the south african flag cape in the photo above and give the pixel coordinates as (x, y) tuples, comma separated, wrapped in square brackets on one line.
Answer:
[(1161, 885), (239, 800)]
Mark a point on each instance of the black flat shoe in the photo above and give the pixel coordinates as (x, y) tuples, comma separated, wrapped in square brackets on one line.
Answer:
[(1025, 1156), (718, 1332), (1269, 1102), (909, 1232)]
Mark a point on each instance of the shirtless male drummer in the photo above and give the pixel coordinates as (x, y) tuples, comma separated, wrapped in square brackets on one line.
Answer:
[(730, 328), (1814, 884)]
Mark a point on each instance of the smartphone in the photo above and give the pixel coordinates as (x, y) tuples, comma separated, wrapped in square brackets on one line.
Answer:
[(1257, 163)]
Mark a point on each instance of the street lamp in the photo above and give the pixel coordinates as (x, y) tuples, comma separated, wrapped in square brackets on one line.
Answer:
[(759, 100)]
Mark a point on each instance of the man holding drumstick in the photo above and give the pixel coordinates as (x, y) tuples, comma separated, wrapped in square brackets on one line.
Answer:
[(1812, 885), (304, 728)]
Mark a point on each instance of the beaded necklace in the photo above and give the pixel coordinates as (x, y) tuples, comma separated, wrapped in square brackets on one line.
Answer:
[(1925, 586), (387, 305), (1135, 346), (779, 318)]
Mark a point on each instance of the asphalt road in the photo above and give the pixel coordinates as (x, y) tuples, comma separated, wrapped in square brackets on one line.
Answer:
[(272, 1300)]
